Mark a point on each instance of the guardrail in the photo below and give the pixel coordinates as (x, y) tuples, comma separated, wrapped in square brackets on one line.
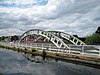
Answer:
[(78, 49)]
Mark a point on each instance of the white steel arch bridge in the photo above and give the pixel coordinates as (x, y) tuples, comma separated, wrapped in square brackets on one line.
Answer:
[(56, 42), (55, 37)]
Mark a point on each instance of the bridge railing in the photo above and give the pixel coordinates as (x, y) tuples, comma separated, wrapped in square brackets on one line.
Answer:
[(86, 49), (76, 49)]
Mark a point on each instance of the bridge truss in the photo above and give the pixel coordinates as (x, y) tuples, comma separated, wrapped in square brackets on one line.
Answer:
[(55, 37)]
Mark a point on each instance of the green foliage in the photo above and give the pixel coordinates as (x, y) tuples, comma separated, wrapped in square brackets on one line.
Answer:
[(1, 74), (93, 39), (56, 54), (33, 49), (2, 38), (44, 54), (98, 30), (33, 56)]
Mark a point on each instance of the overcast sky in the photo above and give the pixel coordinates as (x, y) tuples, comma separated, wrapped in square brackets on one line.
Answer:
[(76, 17)]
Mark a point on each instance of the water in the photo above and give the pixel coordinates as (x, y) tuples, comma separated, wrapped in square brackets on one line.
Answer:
[(14, 63)]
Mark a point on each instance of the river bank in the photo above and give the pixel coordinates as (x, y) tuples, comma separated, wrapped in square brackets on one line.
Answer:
[(74, 58)]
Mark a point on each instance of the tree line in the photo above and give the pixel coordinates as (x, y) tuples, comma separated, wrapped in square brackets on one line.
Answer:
[(94, 39)]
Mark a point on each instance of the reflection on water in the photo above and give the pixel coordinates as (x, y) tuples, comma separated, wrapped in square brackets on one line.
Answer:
[(14, 63), (39, 59), (33, 58)]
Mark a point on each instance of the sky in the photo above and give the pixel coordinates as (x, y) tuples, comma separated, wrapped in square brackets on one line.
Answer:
[(75, 17)]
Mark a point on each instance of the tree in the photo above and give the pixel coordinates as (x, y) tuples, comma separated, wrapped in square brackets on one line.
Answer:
[(2, 38), (98, 30), (93, 39)]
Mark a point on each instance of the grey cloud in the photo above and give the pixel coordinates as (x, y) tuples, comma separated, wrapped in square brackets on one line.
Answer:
[(2, 0), (80, 17), (66, 7), (10, 20), (97, 19)]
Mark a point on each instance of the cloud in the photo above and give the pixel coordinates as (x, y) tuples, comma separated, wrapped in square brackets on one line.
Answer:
[(71, 16)]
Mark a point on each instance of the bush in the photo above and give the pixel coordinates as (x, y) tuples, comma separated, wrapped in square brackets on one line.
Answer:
[(33, 49), (44, 54)]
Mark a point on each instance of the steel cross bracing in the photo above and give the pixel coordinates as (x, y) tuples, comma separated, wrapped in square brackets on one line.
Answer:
[(69, 37), (55, 37)]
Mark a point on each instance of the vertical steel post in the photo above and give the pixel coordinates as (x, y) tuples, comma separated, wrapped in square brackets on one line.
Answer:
[(36, 46), (42, 46), (17, 44), (82, 50), (26, 44), (69, 50), (99, 50), (58, 50), (49, 46)]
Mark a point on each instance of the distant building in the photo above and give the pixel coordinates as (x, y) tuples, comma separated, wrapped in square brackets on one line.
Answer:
[(12, 38)]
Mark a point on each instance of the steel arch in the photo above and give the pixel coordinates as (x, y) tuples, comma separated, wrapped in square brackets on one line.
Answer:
[(69, 37), (53, 38)]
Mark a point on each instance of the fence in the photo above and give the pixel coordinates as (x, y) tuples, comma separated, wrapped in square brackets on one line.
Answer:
[(78, 49)]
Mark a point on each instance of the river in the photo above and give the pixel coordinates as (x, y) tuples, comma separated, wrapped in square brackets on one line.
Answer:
[(14, 63)]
